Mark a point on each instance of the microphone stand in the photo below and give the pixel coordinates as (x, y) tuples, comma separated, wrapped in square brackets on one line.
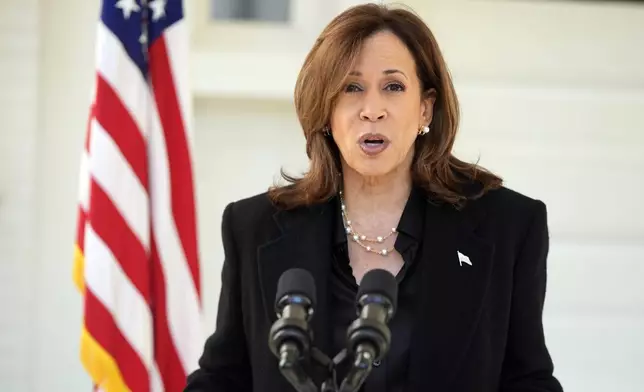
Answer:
[(329, 385), (291, 369), (362, 365), (360, 369), (295, 373)]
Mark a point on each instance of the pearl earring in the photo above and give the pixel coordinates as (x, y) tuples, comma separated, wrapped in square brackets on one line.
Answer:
[(424, 130)]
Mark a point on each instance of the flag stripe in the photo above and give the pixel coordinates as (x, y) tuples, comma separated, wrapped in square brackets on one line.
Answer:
[(104, 329), (156, 384), (78, 271), (115, 66), (81, 219), (79, 267), (105, 278), (179, 55), (83, 188), (119, 124), (178, 156), (88, 127), (183, 305), (165, 350), (100, 365), (110, 226), (112, 171)]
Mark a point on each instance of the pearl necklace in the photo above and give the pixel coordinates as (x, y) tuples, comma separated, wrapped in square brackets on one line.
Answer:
[(361, 239)]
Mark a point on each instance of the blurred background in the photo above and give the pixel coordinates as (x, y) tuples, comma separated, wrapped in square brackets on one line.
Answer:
[(552, 96)]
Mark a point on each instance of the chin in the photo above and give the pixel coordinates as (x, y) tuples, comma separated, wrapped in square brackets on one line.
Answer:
[(371, 167)]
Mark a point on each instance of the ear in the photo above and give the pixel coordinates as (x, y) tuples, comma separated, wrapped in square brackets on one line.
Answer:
[(427, 107)]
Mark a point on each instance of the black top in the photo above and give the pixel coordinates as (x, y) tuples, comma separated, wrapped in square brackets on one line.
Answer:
[(477, 326), (390, 374)]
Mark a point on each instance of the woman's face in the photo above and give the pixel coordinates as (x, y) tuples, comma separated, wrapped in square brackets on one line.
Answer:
[(381, 109)]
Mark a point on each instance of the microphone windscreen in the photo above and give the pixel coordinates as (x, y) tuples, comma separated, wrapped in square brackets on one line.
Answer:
[(379, 281), (296, 281)]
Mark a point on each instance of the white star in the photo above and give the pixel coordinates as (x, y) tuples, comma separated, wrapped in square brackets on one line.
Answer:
[(158, 9), (128, 6)]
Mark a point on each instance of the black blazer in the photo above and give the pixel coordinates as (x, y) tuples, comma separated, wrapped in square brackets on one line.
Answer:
[(481, 327)]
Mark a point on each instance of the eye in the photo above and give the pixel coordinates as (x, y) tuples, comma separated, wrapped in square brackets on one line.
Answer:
[(397, 87), (352, 88)]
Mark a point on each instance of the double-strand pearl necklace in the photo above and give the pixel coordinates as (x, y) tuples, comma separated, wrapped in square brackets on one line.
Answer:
[(361, 239)]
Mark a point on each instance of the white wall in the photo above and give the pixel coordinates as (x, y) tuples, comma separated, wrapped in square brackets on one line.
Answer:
[(18, 145), (65, 82), (46, 71), (558, 113)]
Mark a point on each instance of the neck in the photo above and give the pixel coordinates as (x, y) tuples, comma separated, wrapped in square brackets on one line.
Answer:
[(376, 201)]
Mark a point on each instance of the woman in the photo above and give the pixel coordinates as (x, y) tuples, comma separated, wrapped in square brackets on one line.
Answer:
[(380, 115)]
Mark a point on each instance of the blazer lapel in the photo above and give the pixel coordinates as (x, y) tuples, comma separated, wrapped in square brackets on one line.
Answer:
[(451, 296), (305, 243)]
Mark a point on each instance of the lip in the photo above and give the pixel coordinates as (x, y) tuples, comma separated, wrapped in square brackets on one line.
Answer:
[(373, 149)]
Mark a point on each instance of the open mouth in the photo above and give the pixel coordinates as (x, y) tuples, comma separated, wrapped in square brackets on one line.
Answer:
[(373, 144)]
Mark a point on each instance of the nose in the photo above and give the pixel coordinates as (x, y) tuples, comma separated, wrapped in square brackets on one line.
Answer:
[(370, 115), (373, 109)]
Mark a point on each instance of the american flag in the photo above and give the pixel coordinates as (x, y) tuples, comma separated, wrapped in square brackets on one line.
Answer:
[(136, 257)]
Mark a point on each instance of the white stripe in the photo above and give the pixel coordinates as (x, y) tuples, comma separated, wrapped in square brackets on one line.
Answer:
[(178, 48), (109, 283), (182, 301), (122, 74), (111, 170), (156, 384), (83, 187)]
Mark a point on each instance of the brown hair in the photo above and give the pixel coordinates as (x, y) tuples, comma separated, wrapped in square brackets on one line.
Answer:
[(434, 168)]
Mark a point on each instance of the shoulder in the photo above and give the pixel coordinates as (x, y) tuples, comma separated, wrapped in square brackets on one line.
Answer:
[(509, 213), (508, 201), (249, 211)]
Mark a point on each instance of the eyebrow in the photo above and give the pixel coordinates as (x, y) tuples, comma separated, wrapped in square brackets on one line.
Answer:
[(386, 72)]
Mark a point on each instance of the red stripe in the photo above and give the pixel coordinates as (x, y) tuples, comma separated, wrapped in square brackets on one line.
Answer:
[(101, 326), (89, 127), (109, 225), (80, 229), (120, 125), (82, 217), (180, 165), (165, 353)]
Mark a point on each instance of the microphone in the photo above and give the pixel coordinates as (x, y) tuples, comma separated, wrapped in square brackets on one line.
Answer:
[(369, 336), (290, 336)]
